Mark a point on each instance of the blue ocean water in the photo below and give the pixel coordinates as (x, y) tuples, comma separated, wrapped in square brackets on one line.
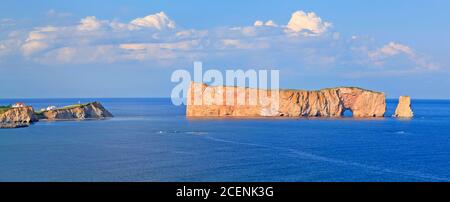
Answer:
[(152, 140)]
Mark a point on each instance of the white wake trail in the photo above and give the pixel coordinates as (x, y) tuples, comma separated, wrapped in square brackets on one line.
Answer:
[(418, 175)]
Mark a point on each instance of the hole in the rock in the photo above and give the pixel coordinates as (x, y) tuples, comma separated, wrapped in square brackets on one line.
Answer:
[(347, 113)]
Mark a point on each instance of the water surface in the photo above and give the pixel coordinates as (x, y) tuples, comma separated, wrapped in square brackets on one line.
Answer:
[(151, 140)]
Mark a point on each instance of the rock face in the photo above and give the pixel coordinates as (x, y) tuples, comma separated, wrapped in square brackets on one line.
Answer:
[(92, 110), (17, 117), (403, 109), (331, 102)]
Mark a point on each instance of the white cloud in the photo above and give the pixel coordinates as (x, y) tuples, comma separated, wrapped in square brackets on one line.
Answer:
[(393, 49), (271, 23), (154, 31), (158, 21), (182, 45), (35, 41), (65, 54), (238, 44), (305, 41), (33, 46), (89, 23), (268, 23), (11, 44), (309, 22), (158, 51), (258, 23)]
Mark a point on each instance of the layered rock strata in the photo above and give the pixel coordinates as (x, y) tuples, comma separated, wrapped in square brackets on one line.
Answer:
[(219, 101), (93, 110), (17, 117)]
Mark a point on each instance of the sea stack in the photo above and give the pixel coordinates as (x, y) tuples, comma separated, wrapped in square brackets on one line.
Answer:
[(404, 108), (208, 101)]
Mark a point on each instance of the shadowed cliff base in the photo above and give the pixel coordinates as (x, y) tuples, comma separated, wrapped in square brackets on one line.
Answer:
[(209, 101)]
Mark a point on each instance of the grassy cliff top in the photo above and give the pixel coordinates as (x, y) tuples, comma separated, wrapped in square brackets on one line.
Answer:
[(289, 89), (75, 106), (72, 106), (3, 109), (65, 107), (330, 88), (352, 87)]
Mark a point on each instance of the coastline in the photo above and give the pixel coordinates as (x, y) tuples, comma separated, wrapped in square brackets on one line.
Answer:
[(19, 115)]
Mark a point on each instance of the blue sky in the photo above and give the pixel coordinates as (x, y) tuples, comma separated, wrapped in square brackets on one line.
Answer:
[(130, 49)]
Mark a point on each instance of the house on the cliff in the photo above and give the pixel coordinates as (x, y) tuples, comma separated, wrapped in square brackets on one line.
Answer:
[(50, 108), (18, 104)]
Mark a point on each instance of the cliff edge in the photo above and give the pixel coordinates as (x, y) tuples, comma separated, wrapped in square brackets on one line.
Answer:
[(330, 102)]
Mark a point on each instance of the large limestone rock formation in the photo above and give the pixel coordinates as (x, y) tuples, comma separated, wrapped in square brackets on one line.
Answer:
[(17, 117), (93, 110), (403, 109), (331, 102)]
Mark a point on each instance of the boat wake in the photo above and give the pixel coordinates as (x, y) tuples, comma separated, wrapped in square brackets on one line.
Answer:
[(301, 154)]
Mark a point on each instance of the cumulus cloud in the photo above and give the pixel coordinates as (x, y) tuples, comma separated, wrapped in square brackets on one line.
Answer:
[(89, 23), (151, 32), (35, 41), (310, 22), (258, 23), (157, 21), (268, 23), (305, 40)]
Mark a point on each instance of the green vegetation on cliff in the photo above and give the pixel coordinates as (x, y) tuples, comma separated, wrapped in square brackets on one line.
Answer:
[(65, 107), (3, 109), (73, 106), (41, 112)]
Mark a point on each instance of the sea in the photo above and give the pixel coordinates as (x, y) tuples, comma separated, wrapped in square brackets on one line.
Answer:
[(152, 140)]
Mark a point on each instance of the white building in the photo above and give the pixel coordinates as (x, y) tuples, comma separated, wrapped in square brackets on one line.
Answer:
[(18, 104), (50, 108)]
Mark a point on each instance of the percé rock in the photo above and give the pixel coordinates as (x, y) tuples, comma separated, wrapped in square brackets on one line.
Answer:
[(331, 102), (403, 109), (17, 117), (93, 110)]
